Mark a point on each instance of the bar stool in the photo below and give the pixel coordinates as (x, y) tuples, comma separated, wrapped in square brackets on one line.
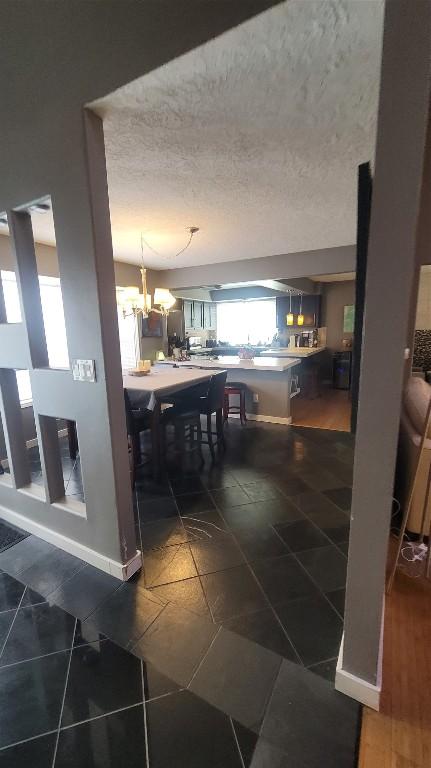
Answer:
[(239, 389), (187, 432)]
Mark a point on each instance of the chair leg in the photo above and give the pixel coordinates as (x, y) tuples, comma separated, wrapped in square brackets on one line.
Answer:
[(242, 413), (220, 430), (136, 447), (210, 437), (199, 442), (225, 407)]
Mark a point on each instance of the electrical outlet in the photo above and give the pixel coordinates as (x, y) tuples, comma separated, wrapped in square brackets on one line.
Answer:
[(255, 397)]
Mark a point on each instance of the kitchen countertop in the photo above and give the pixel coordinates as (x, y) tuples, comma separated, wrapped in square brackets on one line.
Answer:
[(296, 352), (228, 362)]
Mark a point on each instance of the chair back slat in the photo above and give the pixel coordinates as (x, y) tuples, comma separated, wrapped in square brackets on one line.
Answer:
[(215, 394)]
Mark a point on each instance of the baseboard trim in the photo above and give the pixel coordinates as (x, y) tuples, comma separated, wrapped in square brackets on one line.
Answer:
[(121, 571), (356, 687), (262, 417)]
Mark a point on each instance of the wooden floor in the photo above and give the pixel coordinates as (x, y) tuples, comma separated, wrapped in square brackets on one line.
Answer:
[(399, 736), (330, 411)]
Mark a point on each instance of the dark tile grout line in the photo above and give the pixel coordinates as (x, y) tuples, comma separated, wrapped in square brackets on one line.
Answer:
[(319, 663), (24, 741), (198, 666), (236, 742), (144, 708), (11, 626), (60, 650), (54, 756)]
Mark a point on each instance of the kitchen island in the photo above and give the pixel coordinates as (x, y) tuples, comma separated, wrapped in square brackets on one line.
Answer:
[(302, 352), (268, 381)]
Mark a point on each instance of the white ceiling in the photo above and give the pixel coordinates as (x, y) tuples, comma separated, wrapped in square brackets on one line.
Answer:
[(255, 137)]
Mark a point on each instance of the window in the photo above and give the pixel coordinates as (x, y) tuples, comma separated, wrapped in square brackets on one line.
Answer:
[(129, 340), (246, 322), (53, 319)]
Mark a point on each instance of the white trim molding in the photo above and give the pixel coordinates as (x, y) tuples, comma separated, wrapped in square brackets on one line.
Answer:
[(357, 688), (122, 571)]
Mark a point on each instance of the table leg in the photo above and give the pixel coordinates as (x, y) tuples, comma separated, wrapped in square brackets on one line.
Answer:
[(155, 440)]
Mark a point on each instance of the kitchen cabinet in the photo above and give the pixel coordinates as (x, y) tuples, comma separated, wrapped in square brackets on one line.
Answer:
[(310, 309), (199, 315)]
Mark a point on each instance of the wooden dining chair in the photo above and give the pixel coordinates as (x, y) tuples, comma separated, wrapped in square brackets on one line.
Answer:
[(136, 422)]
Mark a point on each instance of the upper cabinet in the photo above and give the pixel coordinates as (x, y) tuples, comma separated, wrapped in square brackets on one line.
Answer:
[(199, 315), (310, 309)]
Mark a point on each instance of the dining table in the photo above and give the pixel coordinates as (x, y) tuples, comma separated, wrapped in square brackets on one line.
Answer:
[(146, 392)]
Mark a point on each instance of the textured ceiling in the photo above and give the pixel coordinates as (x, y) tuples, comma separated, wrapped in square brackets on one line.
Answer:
[(255, 137)]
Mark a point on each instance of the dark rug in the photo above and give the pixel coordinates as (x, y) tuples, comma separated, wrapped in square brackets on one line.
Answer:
[(9, 535)]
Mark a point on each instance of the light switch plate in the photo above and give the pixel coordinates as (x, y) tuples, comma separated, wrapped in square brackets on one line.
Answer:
[(84, 370)]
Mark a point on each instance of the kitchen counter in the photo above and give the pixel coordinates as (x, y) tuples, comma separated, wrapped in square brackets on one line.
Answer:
[(279, 352), (268, 382), (228, 362)]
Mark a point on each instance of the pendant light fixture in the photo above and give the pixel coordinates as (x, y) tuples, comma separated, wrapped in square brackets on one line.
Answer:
[(289, 316), (300, 316)]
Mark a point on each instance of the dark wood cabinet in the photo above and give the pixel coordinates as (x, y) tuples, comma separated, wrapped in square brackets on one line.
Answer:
[(199, 315), (310, 309)]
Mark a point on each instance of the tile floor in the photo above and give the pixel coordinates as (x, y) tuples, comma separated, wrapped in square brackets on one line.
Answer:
[(221, 652)]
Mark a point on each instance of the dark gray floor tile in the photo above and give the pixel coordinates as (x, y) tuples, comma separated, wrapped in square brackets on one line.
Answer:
[(126, 615), (344, 546), (194, 503), (22, 555), (164, 533), (102, 678), (176, 642), (11, 592), (216, 478), (301, 535), (6, 619), (313, 626), (259, 542), (205, 526), (267, 755), (337, 598), (10, 534), (23, 688), (247, 474), (48, 573), (148, 488), (186, 594), (226, 498), (263, 490), (37, 752), (342, 497), (113, 740), (186, 732), (325, 669), (187, 484), (263, 628), (262, 513), (326, 566), (237, 677), (167, 565), (291, 484), (246, 741), (32, 598), (308, 719), (319, 479), (332, 520), (232, 593), (87, 632), (212, 556), (283, 579), (151, 510), (36, 631), (84, 592)]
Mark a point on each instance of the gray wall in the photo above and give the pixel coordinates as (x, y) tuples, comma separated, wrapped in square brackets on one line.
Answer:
[(278, 267), (47, 263), (334, 297), (59, 57), (399, 227)]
